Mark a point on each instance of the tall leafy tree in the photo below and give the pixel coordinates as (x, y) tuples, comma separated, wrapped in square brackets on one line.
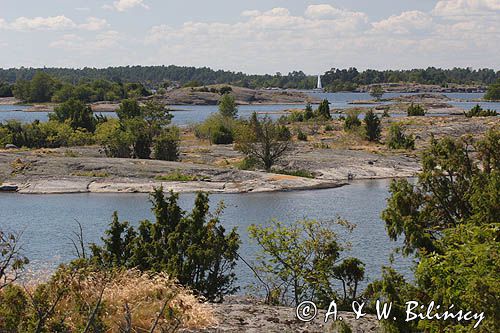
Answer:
[(265, 141)]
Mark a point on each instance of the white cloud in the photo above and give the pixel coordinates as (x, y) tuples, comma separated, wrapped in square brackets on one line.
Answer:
[(52, 23), (123, 5), (405, 23), (72, 42), (250, 13), (94, 24), (460, 8), (330, 12), (60, 22), (325, 36)]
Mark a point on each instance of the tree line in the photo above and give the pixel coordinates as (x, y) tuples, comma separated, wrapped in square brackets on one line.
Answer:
[(335, 79)]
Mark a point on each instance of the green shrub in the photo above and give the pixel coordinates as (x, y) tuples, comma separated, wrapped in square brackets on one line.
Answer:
[(477, 111), (324, 110), (328, 128), (227, 106), (308, 112), (415, 110), (176, 176), (296, 116), (297, 173), (5, 136), (372, 126), (248, 163), (13, 308), (115, 141), (397, 139), (191, 247), (166, 145), (301, 136), (493, 92), (221, 136), (352, 121), (218, 129)]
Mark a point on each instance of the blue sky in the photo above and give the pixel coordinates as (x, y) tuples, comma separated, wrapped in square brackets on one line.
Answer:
[(251, 36)]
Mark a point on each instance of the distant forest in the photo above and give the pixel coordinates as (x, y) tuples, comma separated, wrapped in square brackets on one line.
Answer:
[(333, 80)]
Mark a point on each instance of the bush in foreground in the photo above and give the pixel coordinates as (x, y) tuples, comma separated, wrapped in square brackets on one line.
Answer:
[(449, 220), (81, 298), (193, 248)]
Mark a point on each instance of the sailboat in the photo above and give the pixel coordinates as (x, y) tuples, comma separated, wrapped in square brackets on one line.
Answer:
[(319, 86)]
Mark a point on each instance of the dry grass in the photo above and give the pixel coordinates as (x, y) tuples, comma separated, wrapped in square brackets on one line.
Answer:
[(145, 295), (131, 301)]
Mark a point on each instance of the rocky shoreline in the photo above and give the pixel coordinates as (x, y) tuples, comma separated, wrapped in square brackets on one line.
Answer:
[(247, 315)]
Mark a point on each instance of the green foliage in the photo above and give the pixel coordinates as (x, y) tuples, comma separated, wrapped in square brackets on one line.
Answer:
[(352, 121), (397, 139), (297, 173), (324, 110), (115, 141), (227, 106), (6, 90), (300, 261), (301, 136), (221, 136), (218, 129), (247, 163), (264, 140), (137, 130), (41, 88), (51, 134), (493, 92), (449, 219), (193, 248), (225, 90), (392, 287), (334, 79), (45, 88), (341, 78), (129, 108), (192, 84), (166, 145), (377, 92), (308, 112), (328, 128), (373, 128), (13, 308), (415, 110), (176, 176), (477, 111), (12, 261), (76, 113)]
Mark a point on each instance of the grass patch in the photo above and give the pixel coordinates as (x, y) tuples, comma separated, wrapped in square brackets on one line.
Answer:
[(296, 173), (93, 174), (177, 176)]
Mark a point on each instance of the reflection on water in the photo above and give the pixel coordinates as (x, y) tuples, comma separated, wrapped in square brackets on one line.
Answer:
[(47, 220)]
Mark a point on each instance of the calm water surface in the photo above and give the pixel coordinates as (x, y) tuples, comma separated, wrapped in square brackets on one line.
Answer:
[(47, 220), (190, 114)]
